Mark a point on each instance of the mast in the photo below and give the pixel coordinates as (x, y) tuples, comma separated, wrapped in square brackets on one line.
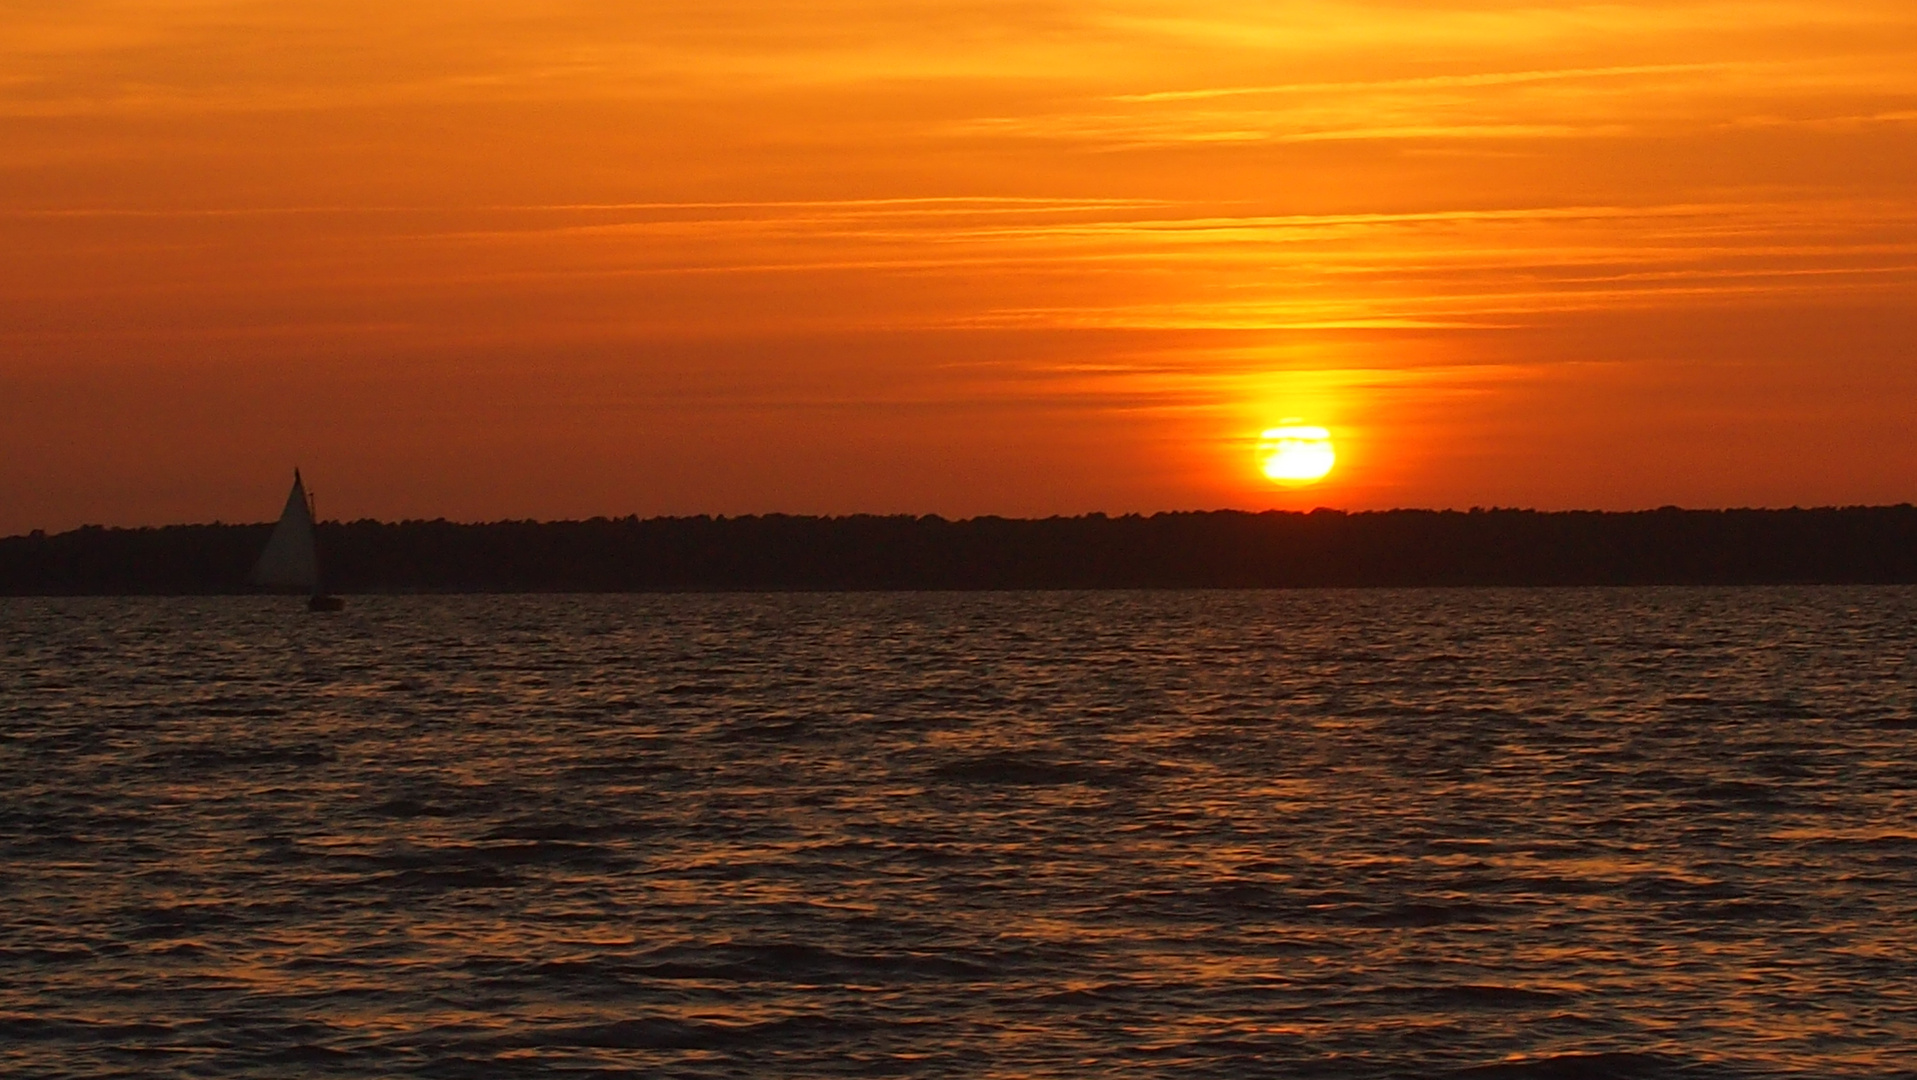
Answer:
[(312, 514)]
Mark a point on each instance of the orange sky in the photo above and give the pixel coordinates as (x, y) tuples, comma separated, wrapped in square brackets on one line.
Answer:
[(499, 258)]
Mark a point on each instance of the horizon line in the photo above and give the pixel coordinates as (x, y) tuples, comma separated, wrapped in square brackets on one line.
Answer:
[(1089, 515)]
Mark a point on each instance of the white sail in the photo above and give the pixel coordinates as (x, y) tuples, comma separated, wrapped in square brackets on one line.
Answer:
[(290, 561)]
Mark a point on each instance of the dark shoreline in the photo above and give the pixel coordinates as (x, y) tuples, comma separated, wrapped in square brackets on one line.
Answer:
[(1215, 549)]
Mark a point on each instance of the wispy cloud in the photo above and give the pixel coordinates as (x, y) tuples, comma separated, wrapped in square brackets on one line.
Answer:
[(1422, 82)]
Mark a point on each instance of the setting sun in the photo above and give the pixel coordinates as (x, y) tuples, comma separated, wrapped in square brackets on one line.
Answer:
[(1296, 454)]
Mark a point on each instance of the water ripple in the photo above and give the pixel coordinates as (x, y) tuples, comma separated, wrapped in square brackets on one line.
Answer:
[(1507, 834)]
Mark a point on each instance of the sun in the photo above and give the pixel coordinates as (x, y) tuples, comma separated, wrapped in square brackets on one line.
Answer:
[(1295, 453)]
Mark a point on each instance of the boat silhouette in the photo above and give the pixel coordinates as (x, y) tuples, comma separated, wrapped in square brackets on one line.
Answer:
[(291, 559)]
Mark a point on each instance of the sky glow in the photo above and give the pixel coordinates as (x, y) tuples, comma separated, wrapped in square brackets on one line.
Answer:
[(504, 259)]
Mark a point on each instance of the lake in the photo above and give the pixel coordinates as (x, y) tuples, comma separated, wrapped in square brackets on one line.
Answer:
[(1480, 833)]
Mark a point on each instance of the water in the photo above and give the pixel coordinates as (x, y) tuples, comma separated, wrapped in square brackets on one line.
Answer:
[(1487, 833)]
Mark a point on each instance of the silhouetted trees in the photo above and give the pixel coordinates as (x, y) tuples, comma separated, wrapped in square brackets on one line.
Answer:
[(1227, 549)]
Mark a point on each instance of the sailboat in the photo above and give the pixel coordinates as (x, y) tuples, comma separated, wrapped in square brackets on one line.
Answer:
[(291, 558)]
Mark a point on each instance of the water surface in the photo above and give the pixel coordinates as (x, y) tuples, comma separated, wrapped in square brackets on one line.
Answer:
[(1499, 833)]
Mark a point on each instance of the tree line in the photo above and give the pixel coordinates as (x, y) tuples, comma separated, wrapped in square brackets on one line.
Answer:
[(1214, 549)]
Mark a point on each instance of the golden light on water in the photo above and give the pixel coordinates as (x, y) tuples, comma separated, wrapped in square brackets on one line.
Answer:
[(1296, 453)]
